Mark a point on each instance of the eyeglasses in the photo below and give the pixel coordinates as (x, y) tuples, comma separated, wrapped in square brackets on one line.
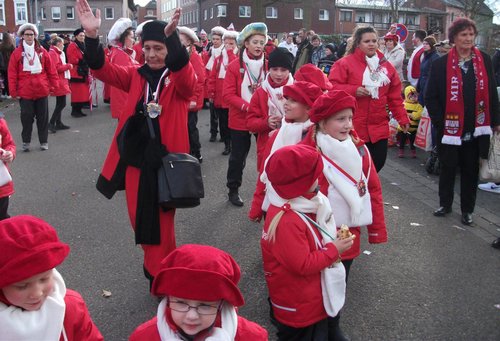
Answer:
[(29, 34), (202, 309)]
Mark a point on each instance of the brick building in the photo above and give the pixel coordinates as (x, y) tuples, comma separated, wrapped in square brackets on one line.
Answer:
[(148, 12), (14, 13)]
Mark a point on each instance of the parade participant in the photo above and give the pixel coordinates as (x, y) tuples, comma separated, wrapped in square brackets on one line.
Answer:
[(215, 84), (62, 88), (295, 250), (244, 76), (160, 89), (34, 301), (462, 101), (413, 69), (312, 74), (188, 38), (430, 55), (349, 177), (121, 40), (414, 110), (205, 43), (394, 53), (299, 98), (267, 105), (31, 78), (214, 52), (198, 285), (79, 82), (139, 53), (7, 155), (366, 75)]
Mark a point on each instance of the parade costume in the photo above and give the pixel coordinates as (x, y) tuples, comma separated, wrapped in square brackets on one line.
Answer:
[(62, 88), (8, 144), (79, 82)]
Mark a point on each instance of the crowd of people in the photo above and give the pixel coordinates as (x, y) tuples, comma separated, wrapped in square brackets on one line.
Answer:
[(320, 116)]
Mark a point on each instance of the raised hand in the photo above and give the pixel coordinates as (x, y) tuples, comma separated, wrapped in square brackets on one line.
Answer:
[(90, 23), (172, 25)]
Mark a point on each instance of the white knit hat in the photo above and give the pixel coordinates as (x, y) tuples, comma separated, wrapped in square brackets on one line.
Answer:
[(189, 32), (219, 30), (120, 26), (25, 27), (138, 30)]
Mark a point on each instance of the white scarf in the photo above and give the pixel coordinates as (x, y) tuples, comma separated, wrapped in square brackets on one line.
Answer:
[(225, 62), (62, 56), (215, 52), (45, 323), (318, 205), (29, 54), (374, 76), (254, 67), (275, 99), (227, 331), (346, 155)]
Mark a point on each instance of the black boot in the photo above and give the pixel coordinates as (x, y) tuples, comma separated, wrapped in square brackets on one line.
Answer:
[(234, 197), (227, 148), (335, 331), (52, 128)]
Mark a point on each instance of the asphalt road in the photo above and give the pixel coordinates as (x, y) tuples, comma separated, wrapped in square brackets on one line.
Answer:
[(435, 281)]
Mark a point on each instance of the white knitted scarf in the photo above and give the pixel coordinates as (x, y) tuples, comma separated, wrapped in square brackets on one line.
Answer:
[(31, 55), (275, 99), (254, 67), (374, 76), (215, 52)]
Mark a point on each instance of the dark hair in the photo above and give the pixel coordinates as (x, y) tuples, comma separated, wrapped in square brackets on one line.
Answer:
[(124, 35), (357, 34), (460, 25), (420, 34)]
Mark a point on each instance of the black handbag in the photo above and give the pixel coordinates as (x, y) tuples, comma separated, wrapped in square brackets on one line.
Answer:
[(180, 184)]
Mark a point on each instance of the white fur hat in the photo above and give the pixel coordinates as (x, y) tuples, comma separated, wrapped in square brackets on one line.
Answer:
[(25, 27), (231, 35), (218, 30), (117, 30), (138, 30), (189, 32)]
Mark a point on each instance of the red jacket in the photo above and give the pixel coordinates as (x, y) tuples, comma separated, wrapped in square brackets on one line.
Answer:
[(62, 87), (80, 91), (7, 143), (199, 70), (371, 119), (77, 322), (73, 56), (292, 267), (247, 330), (215, 85), (139, 54), (377, 231), (118, 98), (30, 86)]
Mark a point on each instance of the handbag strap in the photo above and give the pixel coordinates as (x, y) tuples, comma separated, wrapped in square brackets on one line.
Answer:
[(319, 246), (151, 128)]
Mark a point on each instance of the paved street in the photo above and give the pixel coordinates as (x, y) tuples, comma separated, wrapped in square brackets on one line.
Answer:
[(438, 280)]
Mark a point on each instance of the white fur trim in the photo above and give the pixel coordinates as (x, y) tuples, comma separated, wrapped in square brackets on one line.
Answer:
[(231, 35), (189, 32), (219, 30), (139, 28), (120, 26), (25, 27)]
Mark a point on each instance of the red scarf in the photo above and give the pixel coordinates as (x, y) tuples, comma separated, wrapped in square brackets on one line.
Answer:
[(415, 64), (454, 113)]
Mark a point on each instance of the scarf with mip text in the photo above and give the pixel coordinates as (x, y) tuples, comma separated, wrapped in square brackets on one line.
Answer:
[(454, 113)]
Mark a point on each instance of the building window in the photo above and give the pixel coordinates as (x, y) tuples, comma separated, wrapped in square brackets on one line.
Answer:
[(2, 14), (377, 18), (324, 14), (56, 13), (211, 12), (298, 13), (411, 20), (109, 13), (245, 11), (205, 14), (70, 12), (221, 11), (346, 16), (363, 17), (43, 15), (150, 13), (271, 12), (21, 12)]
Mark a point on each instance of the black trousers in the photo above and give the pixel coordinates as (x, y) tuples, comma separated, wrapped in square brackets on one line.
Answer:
[(214, 119), (4, 206), (60, 105), (465, 157), (31, 109), (240, 146), (222, 114), (378, 151), (402, 139), (194, 134)]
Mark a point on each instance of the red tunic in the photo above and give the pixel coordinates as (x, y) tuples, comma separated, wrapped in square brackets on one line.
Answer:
[(215, 85), (80, 91), (62, 87), (7, 143), (199, 70), (77, 322), (118, 97)]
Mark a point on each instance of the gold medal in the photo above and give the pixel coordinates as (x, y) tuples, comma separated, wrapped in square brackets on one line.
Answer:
[(153, 109)]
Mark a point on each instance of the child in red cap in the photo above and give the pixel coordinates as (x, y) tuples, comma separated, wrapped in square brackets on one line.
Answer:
[(294, 256), (34, 301), (199, 286), (349, 177)]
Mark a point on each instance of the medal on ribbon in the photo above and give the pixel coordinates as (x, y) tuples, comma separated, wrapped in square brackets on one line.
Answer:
[(153, 109), (361, 186)]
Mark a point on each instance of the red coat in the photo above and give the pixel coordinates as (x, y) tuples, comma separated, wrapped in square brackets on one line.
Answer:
[(7, 144), (80, 91), (139, 54), (247, 330), (118, 97), (292, 267), (62, 87), (377, 231), (370, 119), (26, 85), (215, 85), (77, 322), (174, 135), (199, 70)]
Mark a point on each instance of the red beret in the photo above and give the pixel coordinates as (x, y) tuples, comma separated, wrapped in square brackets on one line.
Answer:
[(199, 272), (303, 92), (310, 73), (292, 170), (331, 103), (393, 37), (29, 246)]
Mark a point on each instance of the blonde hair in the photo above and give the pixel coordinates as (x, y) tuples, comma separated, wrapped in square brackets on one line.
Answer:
[(273, 226)]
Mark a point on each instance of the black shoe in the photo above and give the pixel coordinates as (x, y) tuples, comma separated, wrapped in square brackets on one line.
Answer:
[(235, 199), (200, 158), (227, 150), (496, 243), (442, 211), (83, 114), (61, 126), (77, 114), (466, 218), (52, 128), (213, 138)]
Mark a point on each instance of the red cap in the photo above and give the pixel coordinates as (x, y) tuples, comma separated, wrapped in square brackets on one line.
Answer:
[(199, 272), (331, 103), (29, 246), (393, 37), (310, 73), (292, 170), (303, 92)]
